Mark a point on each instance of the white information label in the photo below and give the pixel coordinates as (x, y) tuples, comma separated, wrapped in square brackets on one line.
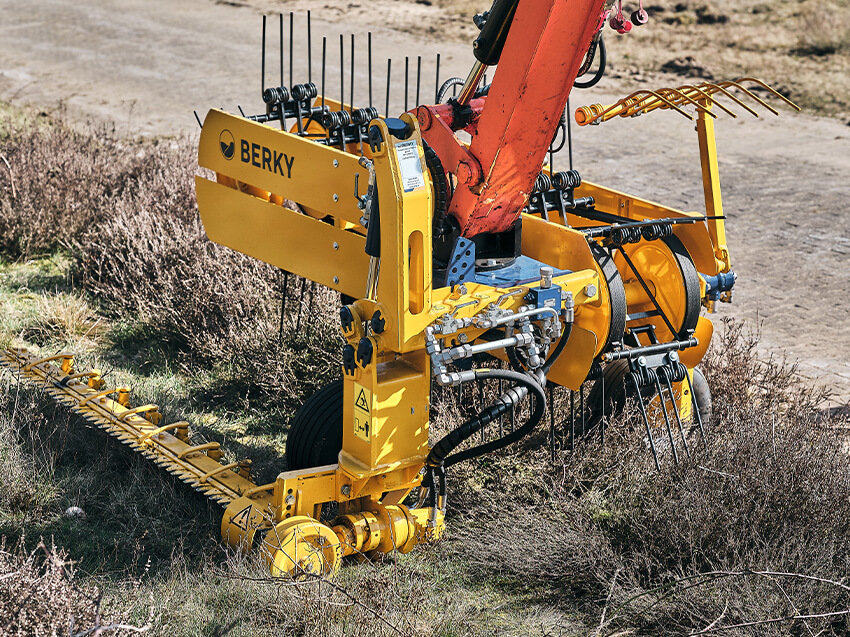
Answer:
[(411, 166)]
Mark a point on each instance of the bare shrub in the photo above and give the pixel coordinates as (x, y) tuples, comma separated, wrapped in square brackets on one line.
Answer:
[(769, 494), (151, 262), (66, 182), (39, 596)]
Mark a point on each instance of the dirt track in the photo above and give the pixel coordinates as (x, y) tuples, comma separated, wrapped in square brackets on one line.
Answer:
[(146, 64)]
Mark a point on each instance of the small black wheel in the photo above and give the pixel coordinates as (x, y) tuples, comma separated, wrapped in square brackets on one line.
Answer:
[(315, 433)]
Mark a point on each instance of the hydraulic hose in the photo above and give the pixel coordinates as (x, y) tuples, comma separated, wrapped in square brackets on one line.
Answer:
[(440, 452), (603, 60)]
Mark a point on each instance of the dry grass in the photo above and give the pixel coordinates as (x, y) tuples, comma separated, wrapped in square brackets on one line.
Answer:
[(533, 548)]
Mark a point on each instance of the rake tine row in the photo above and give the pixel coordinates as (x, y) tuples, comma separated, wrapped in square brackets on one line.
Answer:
[(702, 97)]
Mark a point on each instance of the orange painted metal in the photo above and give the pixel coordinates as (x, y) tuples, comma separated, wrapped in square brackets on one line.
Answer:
[(543, 53)]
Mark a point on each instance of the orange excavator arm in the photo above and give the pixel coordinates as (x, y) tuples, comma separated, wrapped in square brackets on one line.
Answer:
[(544, 43)]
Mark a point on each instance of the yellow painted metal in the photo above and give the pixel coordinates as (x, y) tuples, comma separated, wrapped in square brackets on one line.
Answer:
[(711, 188), (300, 546), (158, 444), (305, 172), (406, 204), (658, 267), (571, 369), (286, 239), (694, 237), (693, 356)]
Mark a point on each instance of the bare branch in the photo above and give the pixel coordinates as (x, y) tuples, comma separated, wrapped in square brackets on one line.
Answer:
[(773, 620)]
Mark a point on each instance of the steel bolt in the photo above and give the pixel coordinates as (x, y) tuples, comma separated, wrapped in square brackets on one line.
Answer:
[(462, 338), (336, 163), (336, 197), (290, 500), (590, 290), (346, 489), (336, 279), (546, 274), (336, 246)]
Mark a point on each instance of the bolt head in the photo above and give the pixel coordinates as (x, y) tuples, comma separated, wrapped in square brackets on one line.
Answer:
[(590, 290), (462, 338), (336, 279), (336, 163), (336, 246), (336, 197), (290, 499), (346, 489)]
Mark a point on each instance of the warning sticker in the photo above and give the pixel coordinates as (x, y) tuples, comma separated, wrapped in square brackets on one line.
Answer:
[(362, 412), (410, 164), (241, 519)]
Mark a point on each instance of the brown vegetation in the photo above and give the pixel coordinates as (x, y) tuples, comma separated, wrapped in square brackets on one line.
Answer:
[(753, 527)]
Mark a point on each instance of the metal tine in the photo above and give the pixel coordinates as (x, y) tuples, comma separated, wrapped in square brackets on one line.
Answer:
[(602, 420), (309, 48), (693, 101), (199, 119), (300, 305), (282, 109), (677, 414), (351, 90), (437, 85), (341, 72), (552, 420), (280, 24), (291, 40), (751, 94), (569, 142), (711, 89), (645, 421), (632, 100), (771, 90), (666, 418), (652, 105), (324, 64), (418, 78), (690, 88), (406, 90), (263, 63), (572, 421), (695, 410), (369, 46), (389, 77), (310, 293)]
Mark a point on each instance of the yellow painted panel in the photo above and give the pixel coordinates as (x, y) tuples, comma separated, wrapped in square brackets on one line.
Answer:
[(284, 238), (572, 367), (552, 243), (281, 163), (694, 237)]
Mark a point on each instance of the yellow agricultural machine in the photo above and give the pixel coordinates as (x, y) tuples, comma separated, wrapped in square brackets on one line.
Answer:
[(461, 256)]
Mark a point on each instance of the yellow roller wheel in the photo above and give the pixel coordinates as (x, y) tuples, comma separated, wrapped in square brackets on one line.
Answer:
[(301, 546)]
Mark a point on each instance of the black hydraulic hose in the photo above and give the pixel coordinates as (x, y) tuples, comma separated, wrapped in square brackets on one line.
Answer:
[(440, 181), (603, 60), (440, 453), (559, 348)]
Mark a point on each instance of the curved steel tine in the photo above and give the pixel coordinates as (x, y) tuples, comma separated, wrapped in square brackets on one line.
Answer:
[(666, 101), (692, 101), (750, 93), (714, 88), (619, 104), (691, 87), (755, 80)]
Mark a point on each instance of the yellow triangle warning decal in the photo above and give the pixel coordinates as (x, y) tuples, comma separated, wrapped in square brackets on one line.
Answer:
[(361, 402), (241, 519)]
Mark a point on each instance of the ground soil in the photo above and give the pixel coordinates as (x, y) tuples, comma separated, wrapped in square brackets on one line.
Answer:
[(146, 64)]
